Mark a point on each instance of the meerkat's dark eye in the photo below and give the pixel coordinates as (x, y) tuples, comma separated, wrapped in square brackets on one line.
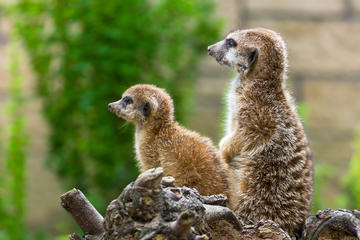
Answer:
[(230, 43), (126, 101), (146, 109)]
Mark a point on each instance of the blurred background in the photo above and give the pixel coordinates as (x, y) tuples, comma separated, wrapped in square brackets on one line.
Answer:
[(63, 61)]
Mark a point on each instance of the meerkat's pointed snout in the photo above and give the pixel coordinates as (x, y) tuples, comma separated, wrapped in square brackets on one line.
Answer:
[(119, 109), (121, 104), (209, 50), (218, 51), (112, 106), (212, 50)]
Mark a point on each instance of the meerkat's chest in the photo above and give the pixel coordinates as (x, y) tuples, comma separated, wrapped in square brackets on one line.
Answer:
[(143, 143), (233, 106)]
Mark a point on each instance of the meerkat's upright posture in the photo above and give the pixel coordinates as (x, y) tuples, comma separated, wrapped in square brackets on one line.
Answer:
[(161, 142), (265, 143)]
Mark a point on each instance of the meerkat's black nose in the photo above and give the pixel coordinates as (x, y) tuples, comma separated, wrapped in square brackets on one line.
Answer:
[(109, 106), (210, 51)]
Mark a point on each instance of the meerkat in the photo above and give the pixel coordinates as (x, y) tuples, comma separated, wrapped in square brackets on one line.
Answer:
[(160, 141), (265, 144)]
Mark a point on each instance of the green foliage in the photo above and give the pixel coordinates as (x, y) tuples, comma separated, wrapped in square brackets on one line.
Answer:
[(65, 237), (323, 173), (12, 188), (85, 53), (303, 111), (2, 188), (351, 198)]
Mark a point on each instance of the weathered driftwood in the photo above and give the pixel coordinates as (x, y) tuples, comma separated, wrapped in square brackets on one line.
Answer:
[(153, 208)]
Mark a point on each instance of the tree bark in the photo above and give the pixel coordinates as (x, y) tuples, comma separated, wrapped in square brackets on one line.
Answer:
[(153, 208)]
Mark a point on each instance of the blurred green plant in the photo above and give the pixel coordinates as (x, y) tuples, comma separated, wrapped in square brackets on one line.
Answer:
[(351, 197), (304, 111), (12, 184), (85, 53), (322, 171), (322, 175)]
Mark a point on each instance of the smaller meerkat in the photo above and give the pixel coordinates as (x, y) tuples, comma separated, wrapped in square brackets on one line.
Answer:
[(160, 141), (265, 144)]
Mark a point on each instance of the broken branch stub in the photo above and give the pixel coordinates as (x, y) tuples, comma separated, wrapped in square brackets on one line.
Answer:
[(83, 212), (150, 179), (181, 227)]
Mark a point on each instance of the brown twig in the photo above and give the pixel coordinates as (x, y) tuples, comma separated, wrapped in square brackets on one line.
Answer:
[(85, 215)]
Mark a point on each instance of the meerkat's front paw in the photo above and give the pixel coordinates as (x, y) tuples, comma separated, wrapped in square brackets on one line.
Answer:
[(226, 148), (223, 142)]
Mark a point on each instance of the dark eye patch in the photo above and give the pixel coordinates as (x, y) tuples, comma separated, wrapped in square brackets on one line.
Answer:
[(146, 109), (127, 100), (230, 43)]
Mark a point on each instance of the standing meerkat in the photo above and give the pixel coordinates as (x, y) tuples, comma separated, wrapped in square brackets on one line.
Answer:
[(265, 144), (160, 141)]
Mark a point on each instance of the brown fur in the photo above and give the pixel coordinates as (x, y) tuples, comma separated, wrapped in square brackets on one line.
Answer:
[(265, 143), (161, 142)]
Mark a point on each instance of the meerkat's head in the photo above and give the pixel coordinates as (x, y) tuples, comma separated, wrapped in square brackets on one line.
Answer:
[(257, 52), (144, 104)]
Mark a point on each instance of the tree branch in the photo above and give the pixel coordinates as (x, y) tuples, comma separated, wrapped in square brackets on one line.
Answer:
[(83, 212)]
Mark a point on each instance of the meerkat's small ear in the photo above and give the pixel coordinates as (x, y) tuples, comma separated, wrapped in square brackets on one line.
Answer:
[(146, 109), (252, 57)]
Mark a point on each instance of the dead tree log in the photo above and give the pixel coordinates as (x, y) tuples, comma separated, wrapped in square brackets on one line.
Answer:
[(153, 208)]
